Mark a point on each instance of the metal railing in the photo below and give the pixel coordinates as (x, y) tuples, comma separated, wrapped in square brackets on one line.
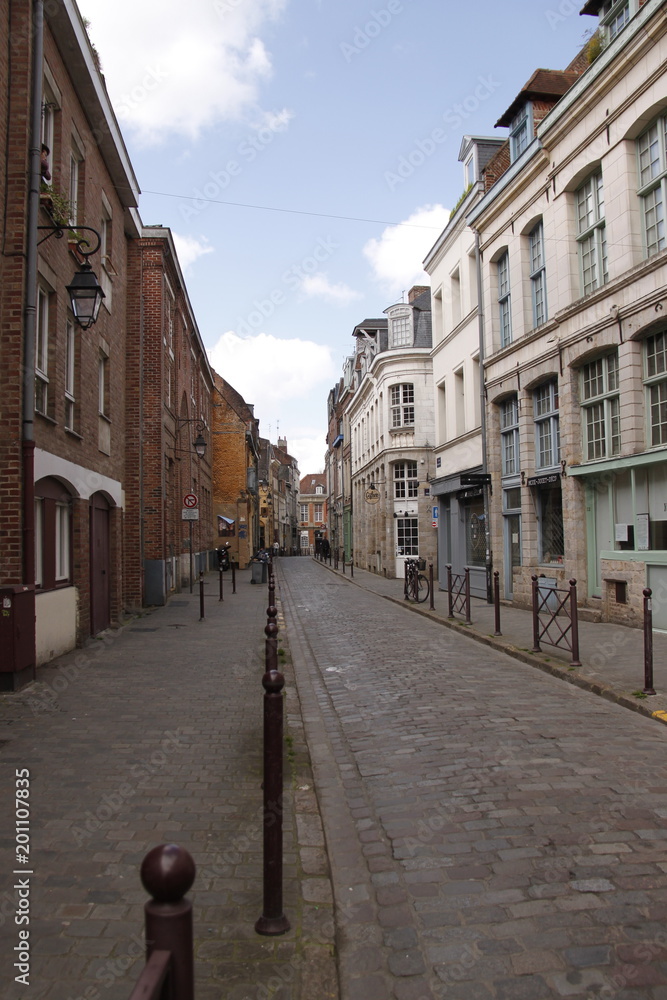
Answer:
[(557, 625), (458, 593)]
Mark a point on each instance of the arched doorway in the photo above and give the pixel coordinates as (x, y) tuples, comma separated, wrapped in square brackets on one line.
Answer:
[(100, 564)]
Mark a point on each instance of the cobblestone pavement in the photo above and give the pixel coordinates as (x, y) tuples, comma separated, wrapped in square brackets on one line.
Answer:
[(493, 833), (151, 735)]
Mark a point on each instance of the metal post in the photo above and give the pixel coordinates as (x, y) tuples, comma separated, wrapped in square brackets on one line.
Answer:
[(192, 567), (233, 565), (467, 586), (496, 602), (574, 622), (201, 597), (221, 587), (273, 921), (343, 561), (352, 562), (430, 580), (450, 596), (648, 642), (167, 873), (536, 617), (405, 581)]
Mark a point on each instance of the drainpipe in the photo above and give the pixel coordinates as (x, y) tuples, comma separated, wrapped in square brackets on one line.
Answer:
[(482, 410), (30, 308)]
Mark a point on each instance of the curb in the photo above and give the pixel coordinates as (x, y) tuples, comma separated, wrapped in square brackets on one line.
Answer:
[(532, 659)]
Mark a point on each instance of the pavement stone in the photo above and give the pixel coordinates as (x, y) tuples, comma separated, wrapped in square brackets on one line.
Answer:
[(152, 734), (517, 818)]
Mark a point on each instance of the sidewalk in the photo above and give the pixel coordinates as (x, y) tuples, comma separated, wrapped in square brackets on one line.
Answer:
[(153, 734), (612, 656)]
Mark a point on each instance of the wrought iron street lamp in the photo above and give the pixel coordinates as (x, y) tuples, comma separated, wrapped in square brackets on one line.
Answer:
[(85, 291)]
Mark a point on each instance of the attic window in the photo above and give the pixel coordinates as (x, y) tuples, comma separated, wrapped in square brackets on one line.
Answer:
[(400, 328), (613, 17), (520, 130)]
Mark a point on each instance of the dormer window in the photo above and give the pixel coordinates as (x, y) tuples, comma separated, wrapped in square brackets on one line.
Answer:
[(400, 327), (613, 17), (520, 130)]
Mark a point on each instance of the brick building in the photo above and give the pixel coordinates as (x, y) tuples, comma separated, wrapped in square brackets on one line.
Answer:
[(62, 447), (285, 474), (236, 455), (313, 510), (168, 407)]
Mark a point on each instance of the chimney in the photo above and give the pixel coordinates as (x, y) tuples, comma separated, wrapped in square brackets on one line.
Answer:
[(282, 443), (416, 291)]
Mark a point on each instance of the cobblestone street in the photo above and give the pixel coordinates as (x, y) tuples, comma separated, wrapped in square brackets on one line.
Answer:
[(494, 833)]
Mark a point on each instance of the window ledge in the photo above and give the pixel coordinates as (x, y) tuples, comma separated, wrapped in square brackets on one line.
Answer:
[(405, 429), (45, 416), (73, 433)]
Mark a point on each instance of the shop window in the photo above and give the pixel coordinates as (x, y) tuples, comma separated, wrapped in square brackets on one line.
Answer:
[(475, 533), (551, 534), (407, 536)]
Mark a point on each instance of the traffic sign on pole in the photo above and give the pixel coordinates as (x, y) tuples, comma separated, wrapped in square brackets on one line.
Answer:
[(190, 501)]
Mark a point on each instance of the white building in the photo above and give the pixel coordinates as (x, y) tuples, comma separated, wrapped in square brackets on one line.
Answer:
[(574, 270), (392, 435), (452, 265)]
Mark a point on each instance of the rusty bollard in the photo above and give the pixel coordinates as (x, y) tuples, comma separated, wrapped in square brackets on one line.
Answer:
[(201, 597), (648, 641), (233, 565), (221, 598), (496, 602), (430, 582), (273, 921), (167, 873)]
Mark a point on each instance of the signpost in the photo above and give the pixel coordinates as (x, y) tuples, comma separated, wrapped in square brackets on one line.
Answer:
[(190, 513)]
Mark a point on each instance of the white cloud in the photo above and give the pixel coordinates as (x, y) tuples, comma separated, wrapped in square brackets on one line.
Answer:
[(396, 256), (319, 286), (308, 450), (267, 370), (182, 67), (190, 249)]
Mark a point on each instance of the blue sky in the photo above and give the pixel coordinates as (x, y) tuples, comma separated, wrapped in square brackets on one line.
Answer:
[(348, 116)]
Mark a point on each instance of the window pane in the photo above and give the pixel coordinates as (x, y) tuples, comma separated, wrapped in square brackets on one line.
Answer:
[(595, 431), (407, 536), (649, 155), (654, 221), (551, 525), (593, 379), (615, 422), (658, 413), (656, 354)]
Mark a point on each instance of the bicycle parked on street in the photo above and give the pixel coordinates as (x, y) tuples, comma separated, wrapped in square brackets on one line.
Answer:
[(416, 584)]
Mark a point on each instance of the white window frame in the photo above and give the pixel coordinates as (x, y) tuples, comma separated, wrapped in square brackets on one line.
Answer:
[(318, 513), (70, 374), (600, 408), (655, 387), (402, 402), (406, 480), (509, 437), (304, 513), (614, 16), (538, 274), (400, 328), (652, 174), (504, 299), (407, 527), (547, 427), (42, 352), (591, 233), (521, 128), (63, 542)]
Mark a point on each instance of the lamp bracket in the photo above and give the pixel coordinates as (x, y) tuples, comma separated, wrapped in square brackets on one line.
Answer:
[(82, 243)]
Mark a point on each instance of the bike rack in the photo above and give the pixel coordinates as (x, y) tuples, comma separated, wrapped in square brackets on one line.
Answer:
[(458, 592)]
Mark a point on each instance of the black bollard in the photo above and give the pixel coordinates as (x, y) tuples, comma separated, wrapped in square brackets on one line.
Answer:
[(496, 602), (430, 581), (201, 597), (167, 873), (273, 921), (221, 587), (233, 578), (574, 622), (648, 642)]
